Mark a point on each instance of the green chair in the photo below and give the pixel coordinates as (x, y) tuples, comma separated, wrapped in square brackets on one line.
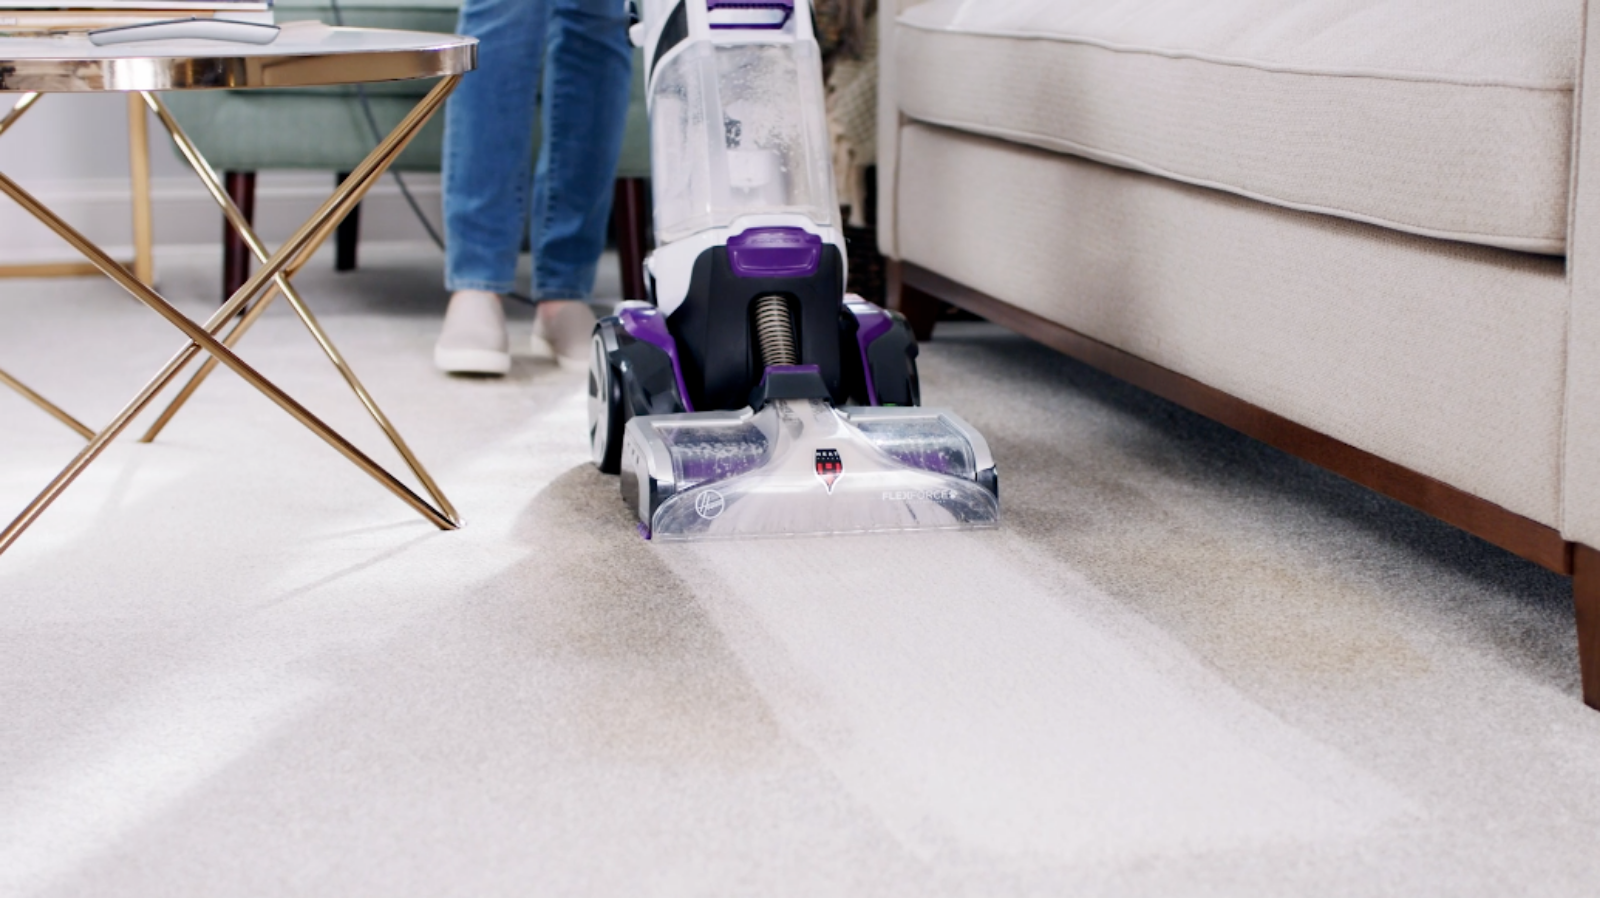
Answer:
[(244, 132)]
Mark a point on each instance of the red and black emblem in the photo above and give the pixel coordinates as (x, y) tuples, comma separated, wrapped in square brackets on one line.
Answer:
[(830, 467)]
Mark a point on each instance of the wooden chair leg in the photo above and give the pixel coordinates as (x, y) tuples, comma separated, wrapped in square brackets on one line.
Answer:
[(1586, 597), (631, 227), (347, 237), (241, 187), (921, 310)]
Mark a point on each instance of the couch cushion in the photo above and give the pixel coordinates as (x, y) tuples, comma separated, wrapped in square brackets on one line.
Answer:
[(1446, 118), (1443, 357)]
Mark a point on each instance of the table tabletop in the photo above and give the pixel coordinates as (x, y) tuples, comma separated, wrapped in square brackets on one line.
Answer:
[(305, 54)]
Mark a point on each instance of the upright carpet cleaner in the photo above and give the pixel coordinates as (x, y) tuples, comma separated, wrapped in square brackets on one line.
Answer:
[(752, 396)]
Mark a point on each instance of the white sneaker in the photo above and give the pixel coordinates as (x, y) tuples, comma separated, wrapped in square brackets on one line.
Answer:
[(473, 340), (562, 331)]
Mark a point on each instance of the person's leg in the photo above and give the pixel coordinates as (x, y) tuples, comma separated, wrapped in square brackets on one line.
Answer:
[(488, 145), (588, 72)]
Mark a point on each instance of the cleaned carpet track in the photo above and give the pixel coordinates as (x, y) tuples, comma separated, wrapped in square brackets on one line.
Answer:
[(1185, 663)]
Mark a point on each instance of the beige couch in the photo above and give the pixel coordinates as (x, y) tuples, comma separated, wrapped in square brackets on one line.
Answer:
[(1364, 231)]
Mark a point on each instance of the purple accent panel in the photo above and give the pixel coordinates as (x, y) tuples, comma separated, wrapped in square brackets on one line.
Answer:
[(774, 253), (789, 370), (650, 326), (644, 530), (786, 6), (872, 322)]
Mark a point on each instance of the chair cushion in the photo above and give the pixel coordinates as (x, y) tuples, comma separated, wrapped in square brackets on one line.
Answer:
[(407, 15), (325, 128), (252, 131), (1445, 118)]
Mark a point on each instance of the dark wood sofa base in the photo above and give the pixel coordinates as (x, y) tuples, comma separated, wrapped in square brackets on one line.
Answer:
[(920, 295)]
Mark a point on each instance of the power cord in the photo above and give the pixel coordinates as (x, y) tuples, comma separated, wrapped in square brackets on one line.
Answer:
[(377, 135)]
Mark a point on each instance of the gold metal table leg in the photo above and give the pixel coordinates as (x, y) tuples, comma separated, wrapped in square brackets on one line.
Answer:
[(293, 253), (144, 262), (23, 104), (202, 338), (292, 295), (241, 326), (205, 341), (46, 405), (241, 225)]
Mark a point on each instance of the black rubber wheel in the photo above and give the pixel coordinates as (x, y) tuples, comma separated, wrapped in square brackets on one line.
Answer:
[(890, 364), (913, 381), (893, 358), (606, 415)]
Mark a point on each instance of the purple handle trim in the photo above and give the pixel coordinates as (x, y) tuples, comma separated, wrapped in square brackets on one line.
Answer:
[(649, 325), (775, 253), (785, 6), (872, 322)]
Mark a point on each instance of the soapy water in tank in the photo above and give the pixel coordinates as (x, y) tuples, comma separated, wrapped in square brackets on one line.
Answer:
[(757, 86), (724, 126)]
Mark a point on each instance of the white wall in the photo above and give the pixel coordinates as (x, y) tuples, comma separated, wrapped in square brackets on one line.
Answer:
[(72, 153)]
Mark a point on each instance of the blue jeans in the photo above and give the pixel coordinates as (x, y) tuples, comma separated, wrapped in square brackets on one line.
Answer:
[(581, 49)]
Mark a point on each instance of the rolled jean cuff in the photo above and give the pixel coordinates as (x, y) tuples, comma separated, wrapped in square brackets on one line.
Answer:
[(466, 284)]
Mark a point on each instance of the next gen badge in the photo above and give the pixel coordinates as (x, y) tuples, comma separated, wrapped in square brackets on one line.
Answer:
[(830, 467)]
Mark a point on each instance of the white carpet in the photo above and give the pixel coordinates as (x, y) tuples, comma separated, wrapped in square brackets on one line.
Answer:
[(229, 663)]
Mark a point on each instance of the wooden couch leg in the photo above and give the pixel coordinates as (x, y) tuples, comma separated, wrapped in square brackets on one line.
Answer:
[(241, 187), (922, 310), (631, 228), (347, 236), (1586, 597)]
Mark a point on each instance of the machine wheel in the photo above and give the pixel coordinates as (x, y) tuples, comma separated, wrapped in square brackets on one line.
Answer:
[(606, 415), (893, 358), (913, 383), (885, 373)]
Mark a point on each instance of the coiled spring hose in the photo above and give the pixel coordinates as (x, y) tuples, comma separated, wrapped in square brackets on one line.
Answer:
[(775, 332)]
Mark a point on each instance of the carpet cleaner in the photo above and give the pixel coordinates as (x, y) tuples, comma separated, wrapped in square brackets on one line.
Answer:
[(752, 396)]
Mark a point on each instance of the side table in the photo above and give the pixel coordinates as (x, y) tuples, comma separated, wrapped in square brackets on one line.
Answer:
[(304, 55)]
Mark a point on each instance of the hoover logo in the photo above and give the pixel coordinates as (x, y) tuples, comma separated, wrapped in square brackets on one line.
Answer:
[(709, 504), (830, 467)]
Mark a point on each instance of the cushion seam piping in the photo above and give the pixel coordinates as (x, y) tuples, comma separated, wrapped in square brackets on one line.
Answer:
[(1236, 62), (1523, 244)]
